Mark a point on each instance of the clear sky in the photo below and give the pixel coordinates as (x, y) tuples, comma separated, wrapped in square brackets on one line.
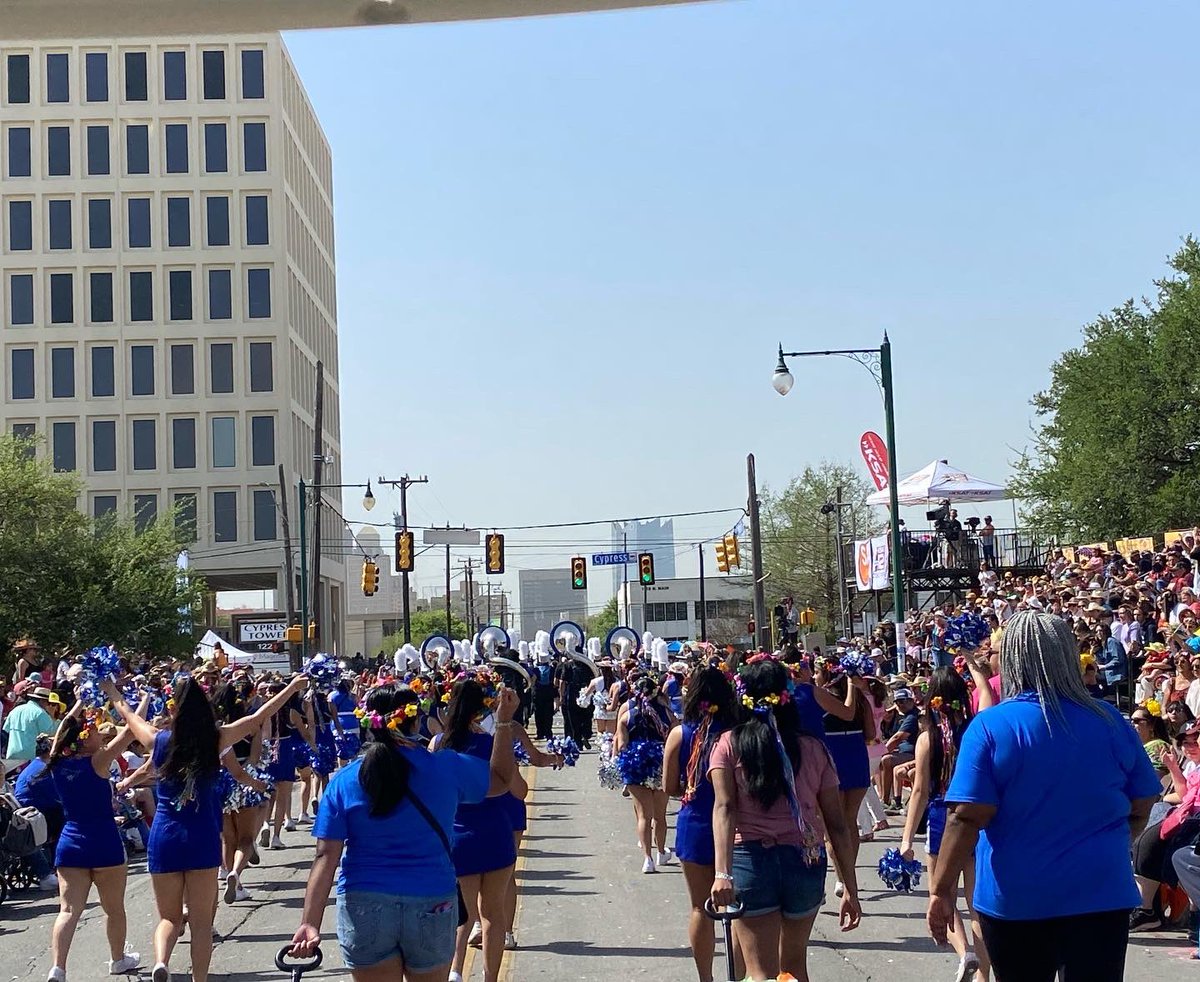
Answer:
[(568, 246)]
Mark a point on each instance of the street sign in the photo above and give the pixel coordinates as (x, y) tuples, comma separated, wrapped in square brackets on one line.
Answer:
[(613, 558), (450, 537)]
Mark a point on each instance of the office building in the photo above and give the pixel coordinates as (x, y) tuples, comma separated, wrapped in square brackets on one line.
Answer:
[(656, 536), (671, 608), (166, 209), (545, 597)]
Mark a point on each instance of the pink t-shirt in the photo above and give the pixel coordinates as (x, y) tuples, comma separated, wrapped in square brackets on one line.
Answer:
[(775, 825), (994, 682)]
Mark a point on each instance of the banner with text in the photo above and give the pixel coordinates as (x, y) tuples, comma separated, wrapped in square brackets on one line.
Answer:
[(871, 569), (875, 456)]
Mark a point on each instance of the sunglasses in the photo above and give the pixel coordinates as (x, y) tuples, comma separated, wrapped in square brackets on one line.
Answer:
[(1190, 741)]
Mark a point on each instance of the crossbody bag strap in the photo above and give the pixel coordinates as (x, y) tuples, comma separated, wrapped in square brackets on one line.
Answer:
[(426, 814)]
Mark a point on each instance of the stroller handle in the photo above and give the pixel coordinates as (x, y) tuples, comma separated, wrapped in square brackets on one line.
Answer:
[(297, 968), (731, 913)]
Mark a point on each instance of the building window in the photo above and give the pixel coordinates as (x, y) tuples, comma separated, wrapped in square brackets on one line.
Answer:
[(220, 295), (261, 367), (62, 373), (103, 372), (220, 357), (183, 372), (136, 89), (20, 297), (21, 360), (58, 78), (183, 443), (101, 300), (669, 611), (141, 296), (104, 445), (27, 432), (262, 441), (225, 516), (20, 155), (174, 76), (254, 147), (141, 370), (145, 511), (62, 443), (139, 223), (216, 209), (99, 212), (98, 162), (145, 452), (264, 516), (20, 226), (60, 223), (185, 516), (104, 506), (58, 151), (179, 222), (95, 69), (257, 220), (177, 148), (18, 80), (224, 442), (213, 65), (179, 289), (253, 82), (216, 149), (137, 149), (258, 292), (62, 298)]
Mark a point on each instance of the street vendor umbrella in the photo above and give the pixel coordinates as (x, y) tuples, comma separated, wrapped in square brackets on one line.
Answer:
[(940, 480)]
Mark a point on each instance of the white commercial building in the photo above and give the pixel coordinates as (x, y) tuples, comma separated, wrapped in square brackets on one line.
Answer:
[(168, 287), (671, 608)]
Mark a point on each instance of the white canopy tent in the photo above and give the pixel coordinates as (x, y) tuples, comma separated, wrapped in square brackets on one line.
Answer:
[(940, 480), (236, 656)]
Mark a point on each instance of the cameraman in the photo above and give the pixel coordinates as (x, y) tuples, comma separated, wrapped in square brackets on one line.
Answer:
[(951, 529)]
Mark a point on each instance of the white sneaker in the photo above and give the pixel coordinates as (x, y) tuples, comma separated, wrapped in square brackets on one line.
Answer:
[(264, 837), (454, 977), (231, 887), (128, 963), (665, 858), (289, 825), (510, 941), (648, 865), (56, 974), (839, 888), (476, 937), (222, 872), (48, 882), (241, 895), (161, 973), (967, 967), (276, 842)]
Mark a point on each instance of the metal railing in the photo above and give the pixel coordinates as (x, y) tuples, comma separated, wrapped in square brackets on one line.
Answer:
[(1007, 549)]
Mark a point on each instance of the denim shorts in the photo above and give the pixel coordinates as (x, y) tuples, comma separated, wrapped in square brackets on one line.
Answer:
[(373, 927), (771, 878)]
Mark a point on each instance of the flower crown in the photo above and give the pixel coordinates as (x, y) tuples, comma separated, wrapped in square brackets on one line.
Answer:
[(392, 721), (763, 704)]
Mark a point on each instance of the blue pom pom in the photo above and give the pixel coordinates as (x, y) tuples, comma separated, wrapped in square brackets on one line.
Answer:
[(323, 671), (641, 763), (97, 666), (857, 665), (899, 873), (521, 754), (566, 747), (966, 631)]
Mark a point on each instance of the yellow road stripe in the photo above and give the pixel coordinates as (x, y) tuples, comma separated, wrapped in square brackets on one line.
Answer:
[(506, 964)]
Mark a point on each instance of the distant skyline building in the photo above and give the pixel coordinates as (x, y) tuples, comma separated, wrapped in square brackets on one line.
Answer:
[(656, 536), (545, 597)]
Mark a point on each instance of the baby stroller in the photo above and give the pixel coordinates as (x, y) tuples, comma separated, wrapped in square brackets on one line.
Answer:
[(22, 833)]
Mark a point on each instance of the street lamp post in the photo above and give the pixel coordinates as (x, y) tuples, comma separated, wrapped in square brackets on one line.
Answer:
[(877, 361)]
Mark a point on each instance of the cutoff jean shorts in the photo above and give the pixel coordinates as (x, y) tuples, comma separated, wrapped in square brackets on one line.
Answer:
[(373, 927), (769, 878)]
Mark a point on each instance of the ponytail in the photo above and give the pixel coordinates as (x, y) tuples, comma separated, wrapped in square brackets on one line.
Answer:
[(385, 769)]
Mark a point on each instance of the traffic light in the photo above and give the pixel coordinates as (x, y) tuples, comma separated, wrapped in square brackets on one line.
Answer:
[(294, 634), (646, 568), (579, 573), (494, 547), (370, 578), (732, 553), (404, 552), (312, 630), (808, 617), (723, 555)]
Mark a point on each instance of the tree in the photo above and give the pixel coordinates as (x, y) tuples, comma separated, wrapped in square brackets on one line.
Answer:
[(1118, 429), (600, 624), (799, 542), (424, 623), (67, 581)]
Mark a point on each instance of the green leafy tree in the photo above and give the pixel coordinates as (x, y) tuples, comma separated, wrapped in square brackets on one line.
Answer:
[(599, 624), (423, 623), (1117, 432), (799, 543)]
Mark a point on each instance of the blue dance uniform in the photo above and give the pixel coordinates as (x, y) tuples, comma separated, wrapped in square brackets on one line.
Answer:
[(640, 761), (90, 838), (847, 745), (693, 827), (324, 758), (516, 810), (186, 835), (483, 832), (350, 742), (289, 750)]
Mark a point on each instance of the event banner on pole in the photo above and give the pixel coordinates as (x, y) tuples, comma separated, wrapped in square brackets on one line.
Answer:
[(871, 569), (874, 455)]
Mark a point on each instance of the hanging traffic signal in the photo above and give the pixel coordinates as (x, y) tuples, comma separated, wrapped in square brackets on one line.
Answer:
[(733, 554), (808, 617), (294, 634), (404, 552), (494, 549), (579, 573), (370, 578), (722, 552), (646, 568)]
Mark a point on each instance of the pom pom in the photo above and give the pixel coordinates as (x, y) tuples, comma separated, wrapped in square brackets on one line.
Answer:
[(323, 671), (966, 632), (641, 763), (899, 873), (521, 754), (567, 748), (857, 665), (99, 665)]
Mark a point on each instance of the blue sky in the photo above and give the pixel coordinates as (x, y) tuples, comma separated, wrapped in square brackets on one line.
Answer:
[(568, 247)]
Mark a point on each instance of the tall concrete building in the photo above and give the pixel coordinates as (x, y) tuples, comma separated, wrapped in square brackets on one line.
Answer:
[(545, 598), (166, 209), (656, 536)]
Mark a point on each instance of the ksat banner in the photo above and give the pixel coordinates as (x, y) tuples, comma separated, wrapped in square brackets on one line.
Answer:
[(871, 563), (876, 458)]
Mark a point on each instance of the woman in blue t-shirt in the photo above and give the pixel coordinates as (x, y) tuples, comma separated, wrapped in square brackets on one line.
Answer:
[(386, 819)]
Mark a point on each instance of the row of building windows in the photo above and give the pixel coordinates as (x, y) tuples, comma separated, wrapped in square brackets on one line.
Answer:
[(224, 525), (143, 450), (177, 223), (138, 305), (172, 143), (59, 78), (141, 377), (677, 610)]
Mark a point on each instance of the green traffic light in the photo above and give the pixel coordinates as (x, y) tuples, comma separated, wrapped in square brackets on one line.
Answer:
[(645, 577), (578, 581)]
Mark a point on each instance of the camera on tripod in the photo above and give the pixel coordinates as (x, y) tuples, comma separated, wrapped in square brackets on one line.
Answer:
[(939, 515)]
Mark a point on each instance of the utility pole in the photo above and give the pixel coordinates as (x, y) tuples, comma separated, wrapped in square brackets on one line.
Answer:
[(762, 628), (449, 629), (841, 566), (703, 605), (318, 470), (404, 484), (625, 571), (288, 571)]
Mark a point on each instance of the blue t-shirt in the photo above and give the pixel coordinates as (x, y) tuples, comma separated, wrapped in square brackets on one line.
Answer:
[(399, 854), (35, 789), (1058, 844), (812, 716)]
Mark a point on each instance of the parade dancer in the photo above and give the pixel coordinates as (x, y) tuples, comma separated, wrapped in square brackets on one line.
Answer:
[(90, 849), (290, 737), (324, 757), (185, 841), (641, 732), (344, 703)]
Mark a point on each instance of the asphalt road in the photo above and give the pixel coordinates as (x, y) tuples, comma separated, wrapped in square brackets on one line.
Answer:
[(587, 913)]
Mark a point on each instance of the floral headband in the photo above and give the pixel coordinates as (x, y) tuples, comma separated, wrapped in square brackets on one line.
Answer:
[(393, 721), (763, 704)]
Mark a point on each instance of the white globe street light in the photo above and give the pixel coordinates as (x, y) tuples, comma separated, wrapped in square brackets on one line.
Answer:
[(368, 498), (782, 379)]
